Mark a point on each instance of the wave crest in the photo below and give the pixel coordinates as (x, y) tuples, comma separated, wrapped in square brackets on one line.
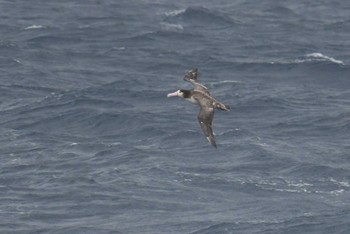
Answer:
[(198, 16), (318, 57)]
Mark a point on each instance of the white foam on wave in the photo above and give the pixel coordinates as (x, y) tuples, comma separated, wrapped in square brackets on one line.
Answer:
[(17, 61), (312, 57), (319, 57), (175, 12), (288, 186), (172, 27), (345, 184), (34, 27), (324, 57), (299, 184), (144, 147)]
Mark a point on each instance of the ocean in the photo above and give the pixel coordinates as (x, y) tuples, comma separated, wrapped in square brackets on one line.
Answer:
[(90, 143)]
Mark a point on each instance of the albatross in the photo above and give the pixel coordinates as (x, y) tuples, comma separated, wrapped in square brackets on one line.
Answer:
[(200, 95)]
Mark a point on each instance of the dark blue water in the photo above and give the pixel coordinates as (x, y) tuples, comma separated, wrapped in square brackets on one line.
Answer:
[(90, 144)]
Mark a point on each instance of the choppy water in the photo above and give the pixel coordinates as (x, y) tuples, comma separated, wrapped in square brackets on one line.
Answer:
[(90, 143)]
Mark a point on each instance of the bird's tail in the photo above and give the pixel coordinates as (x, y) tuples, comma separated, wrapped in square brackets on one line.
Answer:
[(221, 106)]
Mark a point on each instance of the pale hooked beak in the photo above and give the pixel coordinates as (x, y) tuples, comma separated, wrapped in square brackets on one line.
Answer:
[(174, 94)]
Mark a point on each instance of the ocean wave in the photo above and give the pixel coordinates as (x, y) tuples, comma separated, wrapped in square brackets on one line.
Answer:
[(55, 39), (318, 57), (199, 16), (312, 222), (34, 27), (172, 27), (175, 12), (225, 82), (282, 11), (339, 26), (278, 63), (167, 32), (329, 186), (307, 58)]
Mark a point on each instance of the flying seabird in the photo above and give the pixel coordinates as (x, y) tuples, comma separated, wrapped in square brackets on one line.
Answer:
[(200, 95)]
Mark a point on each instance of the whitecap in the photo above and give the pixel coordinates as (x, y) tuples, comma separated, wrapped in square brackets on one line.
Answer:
[(144, 147), (175, 12), (114, 143), (172, 27), (319, 57), (324, 57), (17, 61), (337, 192), (118, 48), (34, 27), (300, 185), (340, 183)]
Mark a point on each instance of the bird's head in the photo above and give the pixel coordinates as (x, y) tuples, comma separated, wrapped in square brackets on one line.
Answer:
[(180, 93)]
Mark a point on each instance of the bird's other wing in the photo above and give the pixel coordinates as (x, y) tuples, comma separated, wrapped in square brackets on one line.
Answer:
[(191, 76)]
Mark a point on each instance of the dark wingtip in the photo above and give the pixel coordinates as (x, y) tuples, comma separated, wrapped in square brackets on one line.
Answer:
[(191, 75), (212, 141), (221, 106)]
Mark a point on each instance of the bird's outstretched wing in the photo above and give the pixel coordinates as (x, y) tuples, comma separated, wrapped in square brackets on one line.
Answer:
[(205, 118), (191, 76)]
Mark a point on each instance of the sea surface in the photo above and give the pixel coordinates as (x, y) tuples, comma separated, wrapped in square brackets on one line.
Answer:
[(89, 143)]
